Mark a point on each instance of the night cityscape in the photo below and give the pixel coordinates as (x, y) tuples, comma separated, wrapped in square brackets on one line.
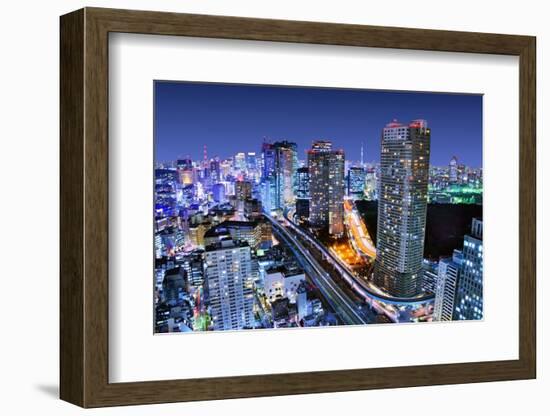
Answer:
[(287, 207)]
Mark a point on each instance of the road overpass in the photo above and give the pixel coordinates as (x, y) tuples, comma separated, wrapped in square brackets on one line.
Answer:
[(338, 299), (365, 290)]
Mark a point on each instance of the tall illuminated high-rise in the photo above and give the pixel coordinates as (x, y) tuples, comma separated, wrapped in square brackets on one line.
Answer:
[(302, 193), (240, 161), (243, 190), (229, 275), (285, 168), (356, 182), (302, 182), (185, 171), (402, 204), (268, 177), (215, 171), (280, 161), (469, 294), (326, 187), (251, 161)]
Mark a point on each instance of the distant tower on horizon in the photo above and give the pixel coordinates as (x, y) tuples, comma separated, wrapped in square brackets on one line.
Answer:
[(453, 170), (402, 206), (362, 160)]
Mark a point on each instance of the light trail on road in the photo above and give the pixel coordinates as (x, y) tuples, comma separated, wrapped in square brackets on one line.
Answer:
[(342, 304), (367, 291), (358, 233)]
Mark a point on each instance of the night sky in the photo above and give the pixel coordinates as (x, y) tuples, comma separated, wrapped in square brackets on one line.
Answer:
[(232, 118)]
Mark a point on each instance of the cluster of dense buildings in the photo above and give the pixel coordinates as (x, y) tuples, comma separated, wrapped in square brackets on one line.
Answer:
[(455, 184), (220, 266), (216, 267)]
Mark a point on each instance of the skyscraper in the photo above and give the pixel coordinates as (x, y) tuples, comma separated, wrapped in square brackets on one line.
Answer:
[(243, 190), (185, 171), (302, 193), (229, 275), (459, 288), (302, 182), (356, 182), (279, 174), (251, 162), (240, 161), (215, 171), (448, 276), (286, 164), (469, 294), (268, 159), (326, 187), (371, 188), (218, 192), (268, 178), (402, 204)]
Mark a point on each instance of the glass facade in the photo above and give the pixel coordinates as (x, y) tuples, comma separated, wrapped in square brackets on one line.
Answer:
[(402, 203), (279, 174), (326, 172), (356, 182), (469, 296)]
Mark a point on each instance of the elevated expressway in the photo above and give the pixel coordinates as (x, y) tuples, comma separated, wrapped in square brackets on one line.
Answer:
[(338, 299), (372, 295), (357, 231)]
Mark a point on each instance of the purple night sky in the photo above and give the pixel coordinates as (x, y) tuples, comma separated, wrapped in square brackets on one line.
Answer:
[(232, 118)]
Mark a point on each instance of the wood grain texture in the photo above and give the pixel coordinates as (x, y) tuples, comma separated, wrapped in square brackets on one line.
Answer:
[(71, 208), (528, 208), (84, 207)]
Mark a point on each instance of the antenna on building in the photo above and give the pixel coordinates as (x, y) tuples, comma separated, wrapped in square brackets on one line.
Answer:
[(362, 164), (205, 154)]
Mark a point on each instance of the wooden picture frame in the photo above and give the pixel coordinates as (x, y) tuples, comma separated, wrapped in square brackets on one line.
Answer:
[(84, 207)]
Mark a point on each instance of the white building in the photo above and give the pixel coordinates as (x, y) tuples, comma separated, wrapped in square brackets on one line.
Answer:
[(229, 275), (447, 280), (301, 302), (282, 282)]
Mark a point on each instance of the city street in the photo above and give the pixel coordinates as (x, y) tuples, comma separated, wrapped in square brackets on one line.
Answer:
[(366, 290), (357, 231), (343, 305)]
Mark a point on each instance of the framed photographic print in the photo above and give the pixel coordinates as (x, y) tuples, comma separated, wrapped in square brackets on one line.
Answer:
[(260, 207)]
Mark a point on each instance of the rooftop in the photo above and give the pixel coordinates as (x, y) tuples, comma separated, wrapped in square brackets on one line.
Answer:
[(415, 124), (226, 244), (285, 270), (222, 228)]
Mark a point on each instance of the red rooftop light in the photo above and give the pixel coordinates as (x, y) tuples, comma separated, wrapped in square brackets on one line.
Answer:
[(418, 124)]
